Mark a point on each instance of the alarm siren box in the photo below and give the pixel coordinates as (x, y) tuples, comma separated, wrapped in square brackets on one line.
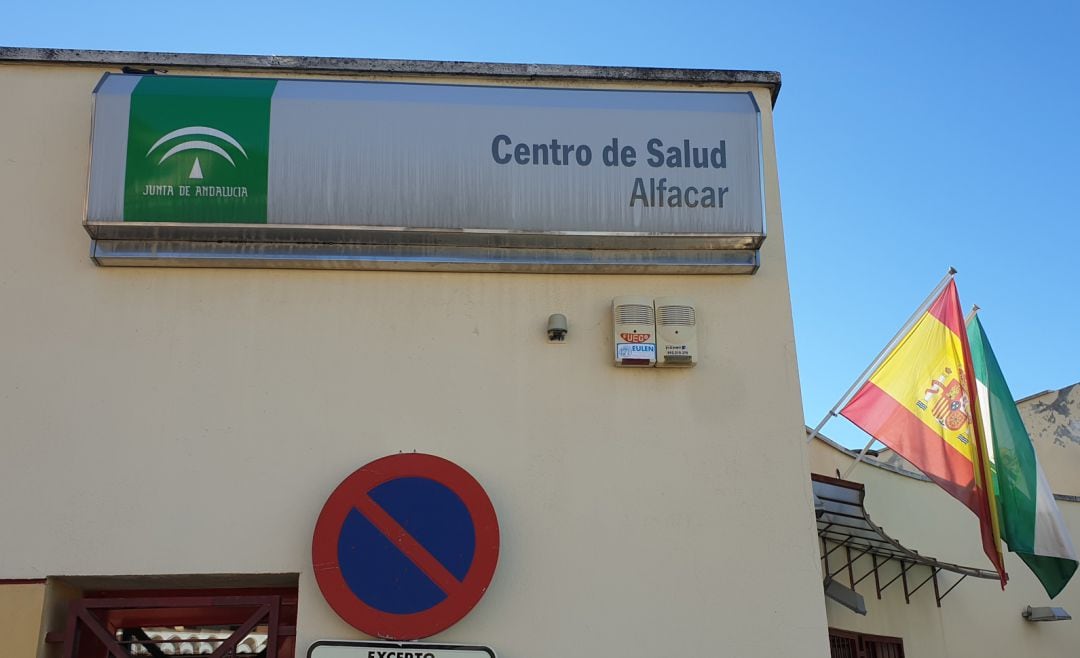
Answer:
[(676, 333), (635, 331)]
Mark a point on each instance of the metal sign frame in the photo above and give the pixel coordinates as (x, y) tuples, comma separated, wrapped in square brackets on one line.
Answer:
[(217, 243), (419, 649)]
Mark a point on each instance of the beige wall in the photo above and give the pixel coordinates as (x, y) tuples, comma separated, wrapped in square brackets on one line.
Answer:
[(20, 619), (194, 421), (1053, 421), (977, 619)]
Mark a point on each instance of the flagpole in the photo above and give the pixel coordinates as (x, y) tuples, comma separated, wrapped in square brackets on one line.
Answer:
[(980, 458), (888, 349), (861, 379)]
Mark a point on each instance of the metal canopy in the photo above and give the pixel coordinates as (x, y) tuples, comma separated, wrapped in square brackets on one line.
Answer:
[(843, 523)]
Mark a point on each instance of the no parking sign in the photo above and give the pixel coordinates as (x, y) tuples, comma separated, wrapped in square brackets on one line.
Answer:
[(406, 546)]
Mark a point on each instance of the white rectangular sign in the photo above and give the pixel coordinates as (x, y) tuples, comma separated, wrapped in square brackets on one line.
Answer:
[(332, 173), (425, 156), (335, 649), (635, 351)]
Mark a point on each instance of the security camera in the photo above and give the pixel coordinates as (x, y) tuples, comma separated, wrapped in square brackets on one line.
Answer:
[(556, 327)]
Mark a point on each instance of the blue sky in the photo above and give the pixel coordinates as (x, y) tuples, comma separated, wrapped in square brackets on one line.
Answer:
[(911, 136)]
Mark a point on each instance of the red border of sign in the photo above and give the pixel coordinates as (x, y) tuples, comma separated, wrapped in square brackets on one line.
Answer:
[(452, 609)]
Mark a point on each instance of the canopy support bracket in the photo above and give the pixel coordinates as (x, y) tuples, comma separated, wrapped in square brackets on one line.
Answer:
[(933, 573), (940, 598), (903, 577)]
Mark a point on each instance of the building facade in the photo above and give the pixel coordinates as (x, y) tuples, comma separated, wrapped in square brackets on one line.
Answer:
[(173, 431)]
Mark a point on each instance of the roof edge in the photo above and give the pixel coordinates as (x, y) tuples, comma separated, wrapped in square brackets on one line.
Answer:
[(769, 79), (1046, 392), (1035, 395), (870, 461)]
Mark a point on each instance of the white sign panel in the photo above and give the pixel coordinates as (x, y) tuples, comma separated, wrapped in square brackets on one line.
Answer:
[(333, 649), (334, 153), (635, 351), (264, 172)]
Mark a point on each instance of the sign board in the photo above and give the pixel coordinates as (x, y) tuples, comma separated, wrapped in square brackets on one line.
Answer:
[(405, 546), (438, 166), (333, 649)]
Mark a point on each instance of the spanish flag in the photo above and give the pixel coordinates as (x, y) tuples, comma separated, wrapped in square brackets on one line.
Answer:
[(918, 402)]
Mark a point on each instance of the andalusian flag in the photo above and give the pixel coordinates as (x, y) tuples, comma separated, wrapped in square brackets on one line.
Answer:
[(916, 403), (1031, 523)]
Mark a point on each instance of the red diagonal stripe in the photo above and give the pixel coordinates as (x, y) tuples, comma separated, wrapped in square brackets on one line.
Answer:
[(408, 545), (946, 308), (890, 422)]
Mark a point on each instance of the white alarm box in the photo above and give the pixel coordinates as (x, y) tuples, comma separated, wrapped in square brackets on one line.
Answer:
[(676, 333), (634, 323)]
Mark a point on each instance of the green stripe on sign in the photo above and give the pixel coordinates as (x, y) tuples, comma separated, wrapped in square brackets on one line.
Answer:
[(198, 150), (1031, 523)]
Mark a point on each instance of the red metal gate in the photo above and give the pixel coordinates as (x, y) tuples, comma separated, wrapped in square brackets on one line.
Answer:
[(125, 627)]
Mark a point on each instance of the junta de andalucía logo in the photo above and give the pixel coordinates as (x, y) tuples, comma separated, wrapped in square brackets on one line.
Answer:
[(192, 138)]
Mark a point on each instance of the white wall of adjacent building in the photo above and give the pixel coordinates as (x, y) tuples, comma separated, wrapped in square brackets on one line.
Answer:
[(977, 619), (1053, 420)]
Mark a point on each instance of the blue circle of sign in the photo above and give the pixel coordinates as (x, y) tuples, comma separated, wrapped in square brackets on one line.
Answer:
[(375, 569)]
